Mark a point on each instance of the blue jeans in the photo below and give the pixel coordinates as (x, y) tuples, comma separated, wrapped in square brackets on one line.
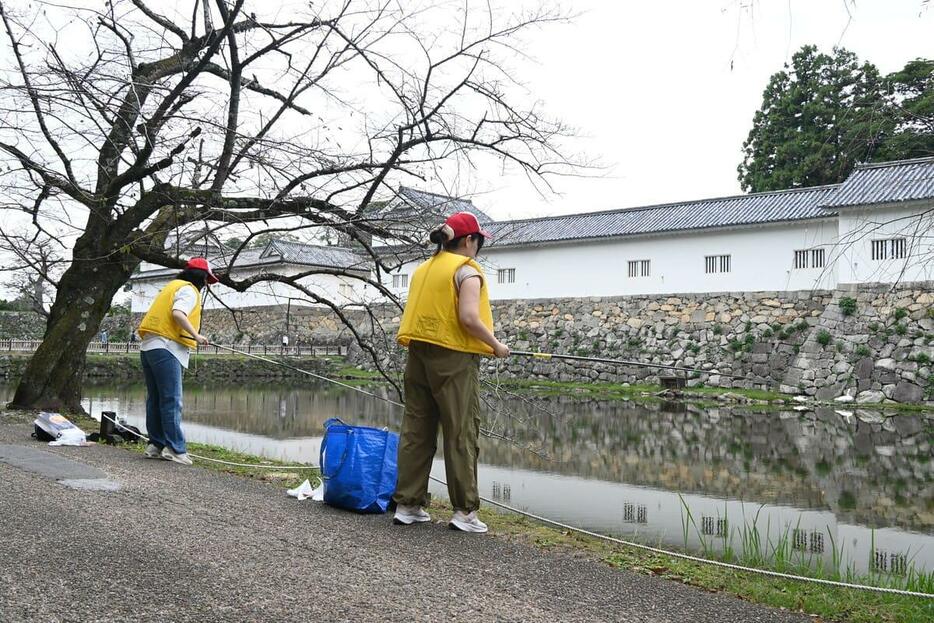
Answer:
[(163, 374)]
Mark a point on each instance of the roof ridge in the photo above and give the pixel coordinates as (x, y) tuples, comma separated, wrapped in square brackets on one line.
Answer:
[(310, 244), (892, 163), (428, 192), (659, 206)]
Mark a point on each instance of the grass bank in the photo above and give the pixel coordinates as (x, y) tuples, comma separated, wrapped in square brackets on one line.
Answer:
[(627, 391), (827, 603)]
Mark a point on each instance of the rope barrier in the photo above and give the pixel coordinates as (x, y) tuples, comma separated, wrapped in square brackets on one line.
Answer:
[(698, 559), (558, 524)]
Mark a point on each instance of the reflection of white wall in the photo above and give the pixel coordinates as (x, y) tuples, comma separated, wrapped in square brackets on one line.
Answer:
[(338, 289), (599, 505), (593, 504), (860, 226)]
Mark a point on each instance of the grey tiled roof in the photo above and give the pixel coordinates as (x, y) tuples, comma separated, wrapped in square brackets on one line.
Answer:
[(280, 251), (886, 182), (759, 208), (440, 205), (312, 255)]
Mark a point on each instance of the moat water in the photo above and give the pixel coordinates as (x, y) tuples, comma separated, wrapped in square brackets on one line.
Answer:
[(854, 482)]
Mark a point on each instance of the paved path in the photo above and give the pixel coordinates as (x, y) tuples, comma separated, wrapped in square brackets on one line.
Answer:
[(176, 544)]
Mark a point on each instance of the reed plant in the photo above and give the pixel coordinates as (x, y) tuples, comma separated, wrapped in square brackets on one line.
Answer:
[(749, 545)]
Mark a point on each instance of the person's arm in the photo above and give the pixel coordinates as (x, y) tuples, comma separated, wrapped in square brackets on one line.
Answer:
[(468, 312), (181, 318)]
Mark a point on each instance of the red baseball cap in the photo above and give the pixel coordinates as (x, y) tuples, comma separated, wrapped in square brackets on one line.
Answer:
[(464, 224), (202, 264)]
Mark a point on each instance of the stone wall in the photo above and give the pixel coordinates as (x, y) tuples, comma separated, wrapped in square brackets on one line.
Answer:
[(872, 344), (23, 325)]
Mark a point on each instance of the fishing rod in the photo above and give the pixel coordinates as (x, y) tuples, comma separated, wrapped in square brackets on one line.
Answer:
[(289, 366), (621, 362), (521, 353)]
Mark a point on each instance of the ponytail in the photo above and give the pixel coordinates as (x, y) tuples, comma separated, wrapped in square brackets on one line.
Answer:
[(443, 237)]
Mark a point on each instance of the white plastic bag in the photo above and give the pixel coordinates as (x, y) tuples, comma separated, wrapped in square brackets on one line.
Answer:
[(305, 491), (70, 437)]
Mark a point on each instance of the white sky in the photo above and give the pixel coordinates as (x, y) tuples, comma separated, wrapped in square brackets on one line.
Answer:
[(649, 86)]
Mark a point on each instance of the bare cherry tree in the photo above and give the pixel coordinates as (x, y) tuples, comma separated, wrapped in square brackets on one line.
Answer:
[(120, 125), (32, 268)]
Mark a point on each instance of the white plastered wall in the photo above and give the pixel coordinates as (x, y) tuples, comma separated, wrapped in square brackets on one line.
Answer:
[(760, 259), (859, 227), (338, 289)]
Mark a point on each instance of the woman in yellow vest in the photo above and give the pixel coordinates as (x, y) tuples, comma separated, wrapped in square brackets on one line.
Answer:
[(447, 325), (168, 331)]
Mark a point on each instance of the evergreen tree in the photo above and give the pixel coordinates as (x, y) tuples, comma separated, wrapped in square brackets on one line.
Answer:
[(911, 95), (819, 118)]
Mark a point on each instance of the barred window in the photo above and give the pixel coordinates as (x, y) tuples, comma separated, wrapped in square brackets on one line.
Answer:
[(345, 290), (506, 275), (629, 514), (898, 248), (891, 248), (716, 264), (799, 539), (880, 560), (723, 527), (400, 281), (817, 542), (817, 258), (879, 249), (801, 259), (808, 258), (639, 268), (898, 564)]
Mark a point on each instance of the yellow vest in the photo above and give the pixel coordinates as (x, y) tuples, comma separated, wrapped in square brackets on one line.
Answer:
[(430, 313), (158, 319)]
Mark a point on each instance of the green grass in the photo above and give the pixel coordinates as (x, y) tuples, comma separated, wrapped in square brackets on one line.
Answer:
[(610, 391), (828, 603)]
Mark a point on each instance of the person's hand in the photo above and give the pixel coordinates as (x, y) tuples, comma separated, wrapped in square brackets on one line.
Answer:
[(501, 350), (200, 339)]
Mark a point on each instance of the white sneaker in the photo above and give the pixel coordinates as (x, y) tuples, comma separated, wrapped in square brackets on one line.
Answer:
[(182, 458), (407, 515), (467, 522), (152, 452)]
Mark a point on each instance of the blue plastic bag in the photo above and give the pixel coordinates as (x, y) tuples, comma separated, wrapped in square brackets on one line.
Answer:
[(358, 466)]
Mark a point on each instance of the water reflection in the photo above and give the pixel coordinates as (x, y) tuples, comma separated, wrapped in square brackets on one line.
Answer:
[(818, 480)]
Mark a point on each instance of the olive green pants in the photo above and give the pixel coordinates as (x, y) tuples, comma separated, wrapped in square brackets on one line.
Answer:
[(441, 387)]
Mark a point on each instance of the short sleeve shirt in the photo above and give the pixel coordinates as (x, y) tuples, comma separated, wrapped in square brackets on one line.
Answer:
[(465, 272), (184, 301)]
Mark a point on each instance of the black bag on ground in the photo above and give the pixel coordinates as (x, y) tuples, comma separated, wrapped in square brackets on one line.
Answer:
[(49, 426)]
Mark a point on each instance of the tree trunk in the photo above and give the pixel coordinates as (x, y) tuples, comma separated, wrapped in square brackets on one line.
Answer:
[(53, 378)]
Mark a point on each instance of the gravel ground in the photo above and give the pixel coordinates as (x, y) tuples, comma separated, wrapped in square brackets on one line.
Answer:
[(184, 544)]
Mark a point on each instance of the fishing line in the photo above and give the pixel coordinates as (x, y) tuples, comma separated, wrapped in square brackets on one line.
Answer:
[(558, 524), (597, 535), (698, 559)]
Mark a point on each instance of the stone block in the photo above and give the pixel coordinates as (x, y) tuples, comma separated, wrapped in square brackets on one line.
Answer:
[(907, 392), (886, 364), (869, 397), (829, 392)]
